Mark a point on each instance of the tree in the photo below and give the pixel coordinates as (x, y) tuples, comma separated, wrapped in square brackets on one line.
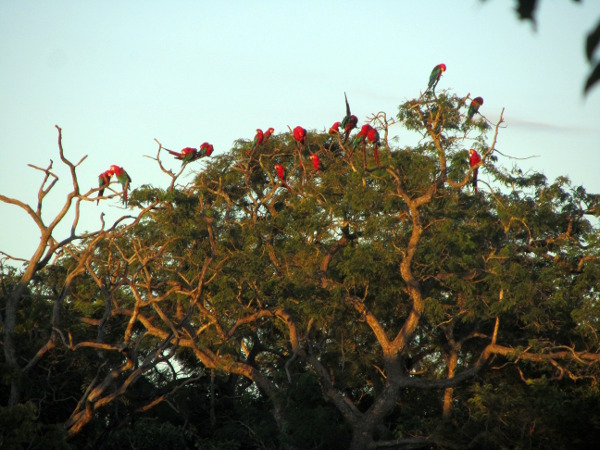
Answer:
[(367, 306)]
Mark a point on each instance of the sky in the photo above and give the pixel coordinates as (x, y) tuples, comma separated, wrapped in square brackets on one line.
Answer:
[(116, 75)]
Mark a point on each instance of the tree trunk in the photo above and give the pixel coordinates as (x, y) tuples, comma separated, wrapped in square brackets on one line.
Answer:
[(364, 428), (362, 437), (448, 393)]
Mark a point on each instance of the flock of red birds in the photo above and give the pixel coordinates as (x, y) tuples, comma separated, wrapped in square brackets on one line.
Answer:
[(350, 122)]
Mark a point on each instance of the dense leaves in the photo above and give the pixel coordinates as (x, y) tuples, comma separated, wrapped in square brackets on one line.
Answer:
[(366, 306)]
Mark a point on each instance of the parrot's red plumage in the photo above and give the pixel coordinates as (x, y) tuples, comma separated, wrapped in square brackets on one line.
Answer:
[(123, 178), (474, 159), (300, 135), (335, 128), (186, 155), (268, 134), (258, 139), (206, 149), (373, 137), (316, 162), (281, 174), (361, 136), (103, 182)]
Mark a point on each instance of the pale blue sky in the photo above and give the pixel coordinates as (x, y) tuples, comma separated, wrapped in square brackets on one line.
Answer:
[(115, 75)]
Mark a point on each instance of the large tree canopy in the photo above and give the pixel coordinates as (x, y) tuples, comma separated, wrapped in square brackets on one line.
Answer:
[(361, 305)]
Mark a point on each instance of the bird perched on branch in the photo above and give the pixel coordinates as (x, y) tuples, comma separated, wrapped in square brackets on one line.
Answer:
[(473, 109), (317, 164), (103, 182), (435, 76), (268, 134), (281, 174), (349, 122), (300, 135), (258, 139), (123, 178), (186, 155), (335, 128), (373, 137), (206, 149), (474, 159), (361, 136)]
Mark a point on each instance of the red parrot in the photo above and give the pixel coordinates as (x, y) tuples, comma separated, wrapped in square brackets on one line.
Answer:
[(258, 139), (123, 178), (103, 182), (474, 159), (373, 137), (281, 174), (361, 136), (349, 122), (350, 125), (206, 149), (186, 155), (335, 128), (435, 76), (268, 134), (300, 135), (317, 164), (473, 109)]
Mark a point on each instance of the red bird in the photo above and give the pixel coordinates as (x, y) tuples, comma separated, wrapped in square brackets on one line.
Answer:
[(361, 136), (206, 149), (281, 174), (473, 109), (474, 159), (268, 134), (349, 121), (123, 178), (300, 135), (258, 139), (373, 137), (350, 125), (335, 128), (186, 155), (316, 162), (103, 182)]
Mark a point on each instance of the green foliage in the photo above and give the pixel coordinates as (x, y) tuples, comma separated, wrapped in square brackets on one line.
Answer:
[(21, 429), (263, 317)]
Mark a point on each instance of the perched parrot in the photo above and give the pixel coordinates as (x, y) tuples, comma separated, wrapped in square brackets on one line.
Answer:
[(335, 128), (281, 174), (300, 135), (258, 139), (103, 182), (123, 178), (317, 164), (268, 134), (206, 149), (349, 122), (473, 109), (474, 159), (186, 155), (373, 137), (350, 125), (361, 136), (435, 76)]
